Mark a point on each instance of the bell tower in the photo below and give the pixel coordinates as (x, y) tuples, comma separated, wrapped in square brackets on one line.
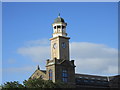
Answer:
[(59, 41), (59, 67)]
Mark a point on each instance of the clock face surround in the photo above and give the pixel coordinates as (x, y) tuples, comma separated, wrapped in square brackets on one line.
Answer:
[(63, 45), (54, 45)]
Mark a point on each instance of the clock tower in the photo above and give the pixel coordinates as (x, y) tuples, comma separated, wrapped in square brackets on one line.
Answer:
[(59, 67), (59, 41)]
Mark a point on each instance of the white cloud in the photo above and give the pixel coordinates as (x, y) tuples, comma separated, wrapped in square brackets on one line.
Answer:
[(111, 69), (36, 53), (89, 57), (92, 50), (41, 42), (94, 58), (37, 50)]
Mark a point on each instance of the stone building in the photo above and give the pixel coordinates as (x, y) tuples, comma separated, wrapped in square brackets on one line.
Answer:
[(60, 67)]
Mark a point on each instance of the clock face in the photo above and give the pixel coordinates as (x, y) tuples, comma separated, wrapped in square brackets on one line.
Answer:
[(54, 45), (63, 45)]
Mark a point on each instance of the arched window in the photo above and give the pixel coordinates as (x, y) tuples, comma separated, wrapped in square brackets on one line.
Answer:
[(64, 75), (50, 74), (54, 27)]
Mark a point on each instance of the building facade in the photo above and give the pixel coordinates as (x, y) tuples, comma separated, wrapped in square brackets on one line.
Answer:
[(59, 67)]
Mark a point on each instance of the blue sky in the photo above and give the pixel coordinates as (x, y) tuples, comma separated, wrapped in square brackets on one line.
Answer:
[(27, 29)]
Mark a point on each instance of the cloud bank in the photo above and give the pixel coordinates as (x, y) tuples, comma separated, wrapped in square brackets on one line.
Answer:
[(94, 58), (37, 50), (90, 58)]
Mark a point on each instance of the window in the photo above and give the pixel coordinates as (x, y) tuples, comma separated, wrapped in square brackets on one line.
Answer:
[(63, 27), (86, 77), (104, 79), (86, 81), (54, 27), (50, 74), (92, 78), (58, 26), (92, 81), (63, 45), (64, 76), (99, 79), (80, 77)]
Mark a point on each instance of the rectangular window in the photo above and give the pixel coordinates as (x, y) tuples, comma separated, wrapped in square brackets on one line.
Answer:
[(64, 79), (86, 81), (64, 76), (80, 77)]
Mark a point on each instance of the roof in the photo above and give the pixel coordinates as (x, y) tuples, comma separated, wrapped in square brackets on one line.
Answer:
[(43, 71), (59, 19), (84, 75)]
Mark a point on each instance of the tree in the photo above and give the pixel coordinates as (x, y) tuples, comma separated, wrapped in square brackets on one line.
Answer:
[(49, 84), (59, 84), (14, 84), (38, 83), (35, 83), (0, 87)]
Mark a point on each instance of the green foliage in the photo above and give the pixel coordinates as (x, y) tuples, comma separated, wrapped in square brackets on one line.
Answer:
[(49, 84), (14, 84), (35, 83), (59, 84), (0, 87), (38, 83)]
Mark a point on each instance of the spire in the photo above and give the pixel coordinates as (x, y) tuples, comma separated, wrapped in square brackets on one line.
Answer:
[(38, 68), (59, 15)]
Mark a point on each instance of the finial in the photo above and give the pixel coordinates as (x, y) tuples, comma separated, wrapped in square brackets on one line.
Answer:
[(38, 67), (59, 15)]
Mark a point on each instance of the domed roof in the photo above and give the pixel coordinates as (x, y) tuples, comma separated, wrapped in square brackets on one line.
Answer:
[(59, 19)]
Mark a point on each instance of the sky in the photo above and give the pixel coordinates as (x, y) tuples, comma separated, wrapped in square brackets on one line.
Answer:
[(60, 0), (27, 28)]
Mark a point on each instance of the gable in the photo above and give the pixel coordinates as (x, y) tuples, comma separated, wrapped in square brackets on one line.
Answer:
[(39, 74)]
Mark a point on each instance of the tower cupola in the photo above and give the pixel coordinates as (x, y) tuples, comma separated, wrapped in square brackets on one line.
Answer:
[(59, 19), (59, 27)]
